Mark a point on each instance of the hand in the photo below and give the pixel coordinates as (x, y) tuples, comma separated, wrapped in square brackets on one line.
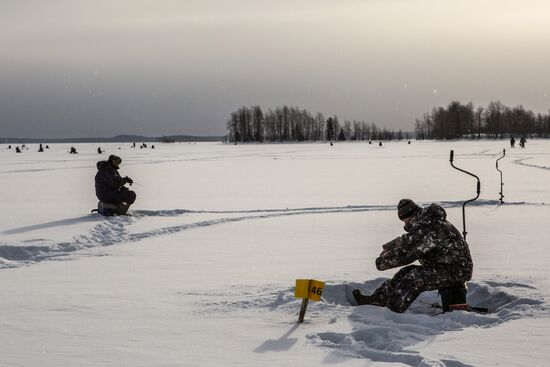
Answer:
[(128, 180)]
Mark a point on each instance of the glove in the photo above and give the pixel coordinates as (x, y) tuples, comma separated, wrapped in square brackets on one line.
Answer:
[(128, 180)]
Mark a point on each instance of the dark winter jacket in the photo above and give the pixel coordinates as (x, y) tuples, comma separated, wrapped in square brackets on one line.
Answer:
[(431, 240), (107, 181)]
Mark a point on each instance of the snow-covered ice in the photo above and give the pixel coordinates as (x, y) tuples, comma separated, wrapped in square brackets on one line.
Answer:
[(202, 271)]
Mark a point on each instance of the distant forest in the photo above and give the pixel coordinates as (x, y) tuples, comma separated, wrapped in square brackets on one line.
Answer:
[(494, 121), (282, 124), (457, 121)]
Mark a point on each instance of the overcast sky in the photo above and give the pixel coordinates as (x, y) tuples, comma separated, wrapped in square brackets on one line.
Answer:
[(73, 68)]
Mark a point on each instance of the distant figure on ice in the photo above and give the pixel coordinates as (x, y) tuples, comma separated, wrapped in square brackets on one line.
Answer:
[(114, 197), (73, 151), (47, 147), (41, 148), (134, 145), (444, 256), (331, 144), (153, 146), (409, 142), (17, 150), (9, 146), (380, 144), (522, 142), (99, 151), (512, 142)]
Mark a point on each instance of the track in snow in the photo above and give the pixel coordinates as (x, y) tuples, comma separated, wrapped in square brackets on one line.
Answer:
[(114, 230)]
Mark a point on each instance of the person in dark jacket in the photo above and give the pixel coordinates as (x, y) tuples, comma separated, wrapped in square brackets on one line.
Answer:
[(109, 185), (443, 254)]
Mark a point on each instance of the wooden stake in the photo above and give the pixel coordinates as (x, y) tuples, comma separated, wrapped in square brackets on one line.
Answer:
[(303, 310)]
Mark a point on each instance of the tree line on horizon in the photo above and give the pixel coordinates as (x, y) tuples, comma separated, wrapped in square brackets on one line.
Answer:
[(495, 121), (283, 124)]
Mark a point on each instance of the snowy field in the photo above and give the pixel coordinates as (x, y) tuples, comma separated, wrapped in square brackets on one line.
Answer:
[(202, 272)]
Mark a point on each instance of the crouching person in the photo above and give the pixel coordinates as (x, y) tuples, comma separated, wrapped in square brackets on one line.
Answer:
[(115, 198), (443, 254)]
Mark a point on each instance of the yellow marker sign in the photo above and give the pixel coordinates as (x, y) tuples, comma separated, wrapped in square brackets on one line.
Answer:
[(309, 288)]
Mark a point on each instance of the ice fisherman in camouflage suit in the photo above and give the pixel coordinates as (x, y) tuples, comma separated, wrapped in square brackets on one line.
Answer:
[(442, 252)]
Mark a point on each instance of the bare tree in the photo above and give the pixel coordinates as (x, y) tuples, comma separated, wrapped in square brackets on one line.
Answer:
[(347, 130)]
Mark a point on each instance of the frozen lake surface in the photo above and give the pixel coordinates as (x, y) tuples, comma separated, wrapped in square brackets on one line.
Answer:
[(202, 272)]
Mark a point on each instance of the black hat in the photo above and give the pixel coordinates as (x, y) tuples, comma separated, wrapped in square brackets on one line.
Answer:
[(406, 208), (114, 160)]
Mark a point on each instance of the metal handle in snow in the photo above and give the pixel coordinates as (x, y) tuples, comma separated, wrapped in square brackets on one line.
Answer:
[(501, 183), (468, 201)]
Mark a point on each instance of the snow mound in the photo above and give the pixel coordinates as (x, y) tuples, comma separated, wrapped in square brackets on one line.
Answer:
[(377, 333), (384, 336), (108, 232)]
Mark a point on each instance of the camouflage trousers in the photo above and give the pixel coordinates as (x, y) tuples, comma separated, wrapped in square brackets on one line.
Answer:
[(400, 292)]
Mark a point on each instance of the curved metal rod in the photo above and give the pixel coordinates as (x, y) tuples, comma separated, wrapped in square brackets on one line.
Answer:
[(468, 201), (501, 184)]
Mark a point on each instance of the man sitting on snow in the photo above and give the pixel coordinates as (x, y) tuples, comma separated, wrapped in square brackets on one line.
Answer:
[(443, 254), (109, 186)]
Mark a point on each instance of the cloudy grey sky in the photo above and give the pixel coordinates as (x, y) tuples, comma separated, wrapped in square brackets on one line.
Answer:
[(71, 68)]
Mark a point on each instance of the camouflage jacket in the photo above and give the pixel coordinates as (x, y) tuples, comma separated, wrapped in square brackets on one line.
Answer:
[(431, 240)]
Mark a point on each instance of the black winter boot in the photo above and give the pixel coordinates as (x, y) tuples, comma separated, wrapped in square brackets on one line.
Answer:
[(365, 300), (122, 208)]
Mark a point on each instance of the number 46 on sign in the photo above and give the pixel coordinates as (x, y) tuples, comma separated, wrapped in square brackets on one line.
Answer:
[(308, 289)]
